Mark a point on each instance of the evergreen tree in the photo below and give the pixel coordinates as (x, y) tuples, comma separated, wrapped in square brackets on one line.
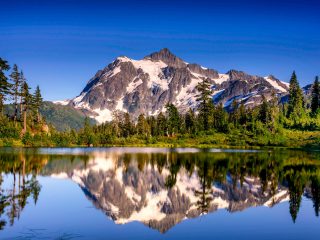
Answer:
[(221, 119), (204, 99), (37, 103), (264, 111), (26, 102), (142, 126), (16, 85), (173, 119), (87, 137), (242, 115), (296, 101), (127, 126), (153, 125), (161, 124), (4, 84), (23, 80), (315, 100), (190, 121), (235, 114)]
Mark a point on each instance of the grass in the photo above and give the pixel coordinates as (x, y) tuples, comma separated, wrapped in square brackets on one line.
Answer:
[(285, 139)]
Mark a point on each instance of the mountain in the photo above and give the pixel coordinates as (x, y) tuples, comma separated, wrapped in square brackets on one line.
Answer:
[(147, 85), (63, 117)]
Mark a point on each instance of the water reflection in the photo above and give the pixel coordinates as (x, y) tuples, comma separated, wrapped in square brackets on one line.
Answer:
[(160, 188)]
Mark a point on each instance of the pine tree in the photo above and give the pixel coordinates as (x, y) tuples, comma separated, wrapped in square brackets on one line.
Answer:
[(296, 101), (264, 111), (126, 126), (153, 125), (16, 85), (37, 103), (315, 100), (173, 119), (142, 126), (221, 119), (161, 124), (235, 114), (26, 102), (4, 84), (204, 99), (87, 133), (190, 121), (23, 80)]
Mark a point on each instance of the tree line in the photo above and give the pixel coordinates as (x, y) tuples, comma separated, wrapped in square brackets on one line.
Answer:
[(15, 89), (268, 119)]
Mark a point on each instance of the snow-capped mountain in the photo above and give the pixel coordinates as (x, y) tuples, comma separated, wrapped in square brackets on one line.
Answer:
[(147, 85), (131, 192)]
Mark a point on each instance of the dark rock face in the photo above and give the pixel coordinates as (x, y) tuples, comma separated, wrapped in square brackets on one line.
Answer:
[(147, 85), (167, 57)]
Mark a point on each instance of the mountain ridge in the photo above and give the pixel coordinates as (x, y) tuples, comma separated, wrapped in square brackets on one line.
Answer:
[(145, 86)]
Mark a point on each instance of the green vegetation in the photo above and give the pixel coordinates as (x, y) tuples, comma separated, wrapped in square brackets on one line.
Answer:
[(271, 124)]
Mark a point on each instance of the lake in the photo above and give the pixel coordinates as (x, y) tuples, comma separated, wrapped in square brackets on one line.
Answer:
[(158, 193)]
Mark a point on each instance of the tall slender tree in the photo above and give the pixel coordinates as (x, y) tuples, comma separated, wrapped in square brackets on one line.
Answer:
[(26, 102), (264, 111), (16, 85), (161, 124), (190, 121), (142, 126), (127, 125), (37, 103), (4, 84), (204, 99), (23, 80), (296, 101), (173, 119), (315, 100)]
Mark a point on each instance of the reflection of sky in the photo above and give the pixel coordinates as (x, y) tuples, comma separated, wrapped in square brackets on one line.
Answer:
[(121, 150), (63, 210)]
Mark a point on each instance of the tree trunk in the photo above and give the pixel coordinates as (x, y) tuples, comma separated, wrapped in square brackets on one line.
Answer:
[(21, 107), (38, 116), (15, 107), (25, 121)]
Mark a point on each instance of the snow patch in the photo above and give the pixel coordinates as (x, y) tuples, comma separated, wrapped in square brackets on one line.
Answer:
[(61, 175), (62, 102), (275, 84), (103, 115), (222, 78)]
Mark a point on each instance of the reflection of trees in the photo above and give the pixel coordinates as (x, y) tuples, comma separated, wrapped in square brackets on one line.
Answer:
[(293, 170), (174, 163), (296, 186), (205, 192), (297, 177), (14, 200), (315, 190)]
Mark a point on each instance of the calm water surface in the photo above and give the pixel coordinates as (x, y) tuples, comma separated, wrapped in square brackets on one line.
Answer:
[(146, 193)]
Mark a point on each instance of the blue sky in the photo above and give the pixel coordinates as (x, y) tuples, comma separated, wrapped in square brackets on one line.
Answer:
[(61, 44)]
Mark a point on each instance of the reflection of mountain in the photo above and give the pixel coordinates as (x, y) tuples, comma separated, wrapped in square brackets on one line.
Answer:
[(128, 194), (161, 187)]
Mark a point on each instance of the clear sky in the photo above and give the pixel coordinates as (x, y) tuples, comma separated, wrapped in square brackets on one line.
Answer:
[(61, 44)]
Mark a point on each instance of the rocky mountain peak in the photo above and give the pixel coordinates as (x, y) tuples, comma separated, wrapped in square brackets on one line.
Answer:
[(145, 86), (166, 56)]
